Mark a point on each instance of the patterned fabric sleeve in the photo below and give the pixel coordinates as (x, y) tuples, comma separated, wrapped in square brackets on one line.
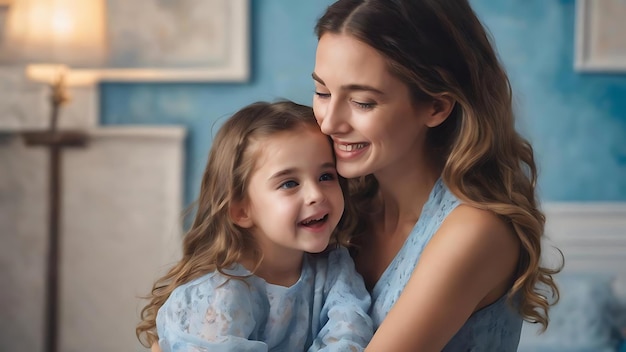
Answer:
[(210, 316), (345, 324)]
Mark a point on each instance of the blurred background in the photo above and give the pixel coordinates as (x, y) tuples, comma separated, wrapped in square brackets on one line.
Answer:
[(142, 113)]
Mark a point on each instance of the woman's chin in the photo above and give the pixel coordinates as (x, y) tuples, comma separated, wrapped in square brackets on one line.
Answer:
[(350, 170)]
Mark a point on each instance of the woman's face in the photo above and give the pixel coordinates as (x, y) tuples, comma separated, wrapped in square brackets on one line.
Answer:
[(367, 111)]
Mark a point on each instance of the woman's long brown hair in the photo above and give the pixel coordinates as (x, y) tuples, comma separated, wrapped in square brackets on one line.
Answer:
[(440, 47)]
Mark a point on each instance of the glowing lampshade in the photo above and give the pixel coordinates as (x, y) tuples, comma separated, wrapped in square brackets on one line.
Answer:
[(67, 32)]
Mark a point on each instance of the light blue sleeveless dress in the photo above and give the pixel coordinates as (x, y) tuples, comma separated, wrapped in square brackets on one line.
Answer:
[(326, 310), (496, 327)]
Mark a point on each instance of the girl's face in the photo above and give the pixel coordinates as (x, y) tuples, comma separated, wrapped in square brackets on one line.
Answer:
[(294, 199), (367, 111)]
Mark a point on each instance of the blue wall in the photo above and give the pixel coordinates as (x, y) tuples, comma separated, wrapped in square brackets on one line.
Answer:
[(576, 122)]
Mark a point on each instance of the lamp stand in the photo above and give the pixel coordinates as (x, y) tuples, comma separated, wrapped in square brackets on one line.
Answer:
[(55, 141)]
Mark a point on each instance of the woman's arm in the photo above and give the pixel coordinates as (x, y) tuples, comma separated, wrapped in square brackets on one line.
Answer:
[(468, 264)]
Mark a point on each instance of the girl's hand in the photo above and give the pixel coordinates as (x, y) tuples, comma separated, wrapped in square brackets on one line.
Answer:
[(155, 347)]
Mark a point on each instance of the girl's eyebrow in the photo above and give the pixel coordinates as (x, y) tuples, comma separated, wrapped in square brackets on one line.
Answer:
[(350, 87), (328, 165), (286, 172), (282, 173)]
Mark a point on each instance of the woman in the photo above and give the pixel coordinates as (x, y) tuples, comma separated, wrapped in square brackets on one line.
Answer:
[(419, 109)]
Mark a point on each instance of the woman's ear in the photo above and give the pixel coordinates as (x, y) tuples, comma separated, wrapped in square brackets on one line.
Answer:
[(440, 109), (240, 214)]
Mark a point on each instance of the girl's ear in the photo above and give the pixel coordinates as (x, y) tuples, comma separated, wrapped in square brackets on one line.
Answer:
[(240, 214), (440, 109)]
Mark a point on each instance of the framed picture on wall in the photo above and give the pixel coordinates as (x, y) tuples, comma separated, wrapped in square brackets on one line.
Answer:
[(171, 40), (600, 41), (182, 40)]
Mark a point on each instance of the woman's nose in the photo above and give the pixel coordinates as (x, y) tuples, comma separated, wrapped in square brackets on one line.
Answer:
[(330, 119)]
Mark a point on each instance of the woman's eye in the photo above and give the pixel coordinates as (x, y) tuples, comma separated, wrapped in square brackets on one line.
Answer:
[(328, 177), (288, 184), (364, 106), (322, 95)]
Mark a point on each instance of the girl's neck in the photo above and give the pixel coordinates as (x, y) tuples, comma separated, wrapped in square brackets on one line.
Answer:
[(277, 269)]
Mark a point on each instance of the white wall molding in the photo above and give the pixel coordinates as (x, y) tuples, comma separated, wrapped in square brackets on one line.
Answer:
[(592, 237), (175, 134)]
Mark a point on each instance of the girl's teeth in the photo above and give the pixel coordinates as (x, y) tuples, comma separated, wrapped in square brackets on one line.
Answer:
[(307, 222)]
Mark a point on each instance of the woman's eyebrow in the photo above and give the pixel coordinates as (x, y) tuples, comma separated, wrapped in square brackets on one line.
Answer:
[(317, 78), (351, 87)]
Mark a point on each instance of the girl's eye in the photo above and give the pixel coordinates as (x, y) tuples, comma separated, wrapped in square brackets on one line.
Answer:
[(364, 106), (288, 185), (322, 95), (328, 177)]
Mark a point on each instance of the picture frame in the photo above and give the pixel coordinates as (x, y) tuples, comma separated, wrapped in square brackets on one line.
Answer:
[(171, 41), (599, 33), (183, 40)]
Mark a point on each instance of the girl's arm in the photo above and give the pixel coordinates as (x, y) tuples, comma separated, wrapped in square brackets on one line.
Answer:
[(344, 324), (468, 264)]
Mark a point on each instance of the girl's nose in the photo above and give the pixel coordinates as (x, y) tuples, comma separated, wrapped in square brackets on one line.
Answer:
[(314, 194)]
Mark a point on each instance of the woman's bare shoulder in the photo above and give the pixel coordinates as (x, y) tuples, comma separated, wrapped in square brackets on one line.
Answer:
[(477, 243), (472, 225)]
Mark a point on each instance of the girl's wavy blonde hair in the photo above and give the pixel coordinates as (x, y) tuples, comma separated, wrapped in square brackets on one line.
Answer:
[(440, 47), (214, 242)]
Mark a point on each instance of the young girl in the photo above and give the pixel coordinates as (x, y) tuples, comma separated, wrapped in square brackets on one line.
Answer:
[(270, 195)]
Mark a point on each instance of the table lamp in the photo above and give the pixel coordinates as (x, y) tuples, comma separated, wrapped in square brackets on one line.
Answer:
[(50, 36)]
